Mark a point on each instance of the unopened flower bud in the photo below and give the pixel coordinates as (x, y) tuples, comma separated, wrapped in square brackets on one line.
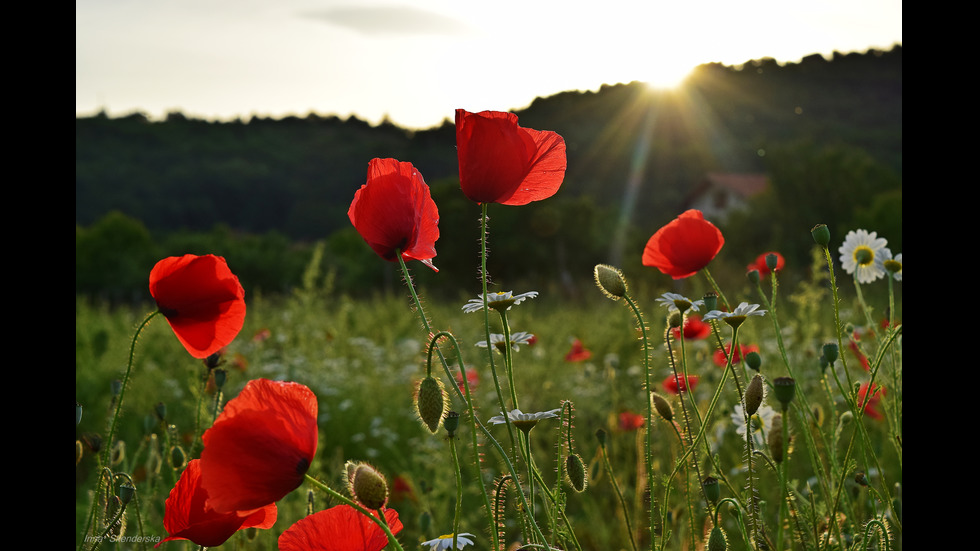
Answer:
[(675, 320), (775, 438), (601, 437), (753, 360), (663, 407), (178, 458), (430, 402), (575, 473), (367, 485), (821, 235), (610, 281), (754, 395), (861, 479), (785, 390), (830, 352), (717, 541)]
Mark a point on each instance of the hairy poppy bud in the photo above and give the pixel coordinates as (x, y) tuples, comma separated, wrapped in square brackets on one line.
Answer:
[(753, 360), (610, 281), (575, 473), (717, 540), (367, 485), (430, 402), (663, 407), (775, 438), (754, 395)]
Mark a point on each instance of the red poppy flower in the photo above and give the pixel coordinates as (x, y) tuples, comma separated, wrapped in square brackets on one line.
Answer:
[(260, 446), (188, 517), (870, 404), (721, 358), (853, 345), (500, 162), (629, 421), (340, 528), (676, 385), (472, 380), (394, 210), (684, 246), (202, 300), (401, 489), (694, 329), (760, 264), (578, 352)]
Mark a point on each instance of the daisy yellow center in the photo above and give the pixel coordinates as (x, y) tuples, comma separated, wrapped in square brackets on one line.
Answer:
[(863, 255), (446, 537)]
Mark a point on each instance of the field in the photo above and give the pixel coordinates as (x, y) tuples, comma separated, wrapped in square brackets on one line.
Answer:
[(838, 457)]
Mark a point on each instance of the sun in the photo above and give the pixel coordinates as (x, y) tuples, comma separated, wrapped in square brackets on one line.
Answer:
[(667, 74)]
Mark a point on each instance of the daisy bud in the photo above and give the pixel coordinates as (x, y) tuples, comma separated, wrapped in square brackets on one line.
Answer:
[(610, 281), (367, 485), (712, 490), (753, 276), (430, 402), (451, 422), (821, 235), (663, 407), (775, 438), (754, 395), (785, 389), (830, 352), (575, 473), (717, 540), (753, 360)]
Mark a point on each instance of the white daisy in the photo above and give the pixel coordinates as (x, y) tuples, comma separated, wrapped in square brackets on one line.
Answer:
[(497, 340), (861, 255), (524, 421), (893, 265), (497, 301), (446, 541), (737, 316), (680, 303), (761, 423)]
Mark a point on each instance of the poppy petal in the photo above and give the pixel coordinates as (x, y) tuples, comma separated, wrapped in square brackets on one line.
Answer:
[(684, 246), (339, 528), (187, 516), (500, 162), (202, 300), (260, 447), (394, 210)]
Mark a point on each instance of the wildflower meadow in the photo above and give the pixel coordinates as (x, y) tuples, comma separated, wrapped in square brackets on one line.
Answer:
[(660, 411)]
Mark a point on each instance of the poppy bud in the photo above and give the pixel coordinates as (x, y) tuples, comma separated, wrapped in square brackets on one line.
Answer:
[(663, 407), (753, 360), (213, 360), (821, 235), (575, 473), (118, 452), (717, 541), (830, 352), (93, 441), (785, 389), (754, 395), (712, 490), (861, 479), (178, 458), (775, 438), (220, 375), (451, 422), (675, 320), (430, 402), (753, 276), (367, 485), (610, 281)]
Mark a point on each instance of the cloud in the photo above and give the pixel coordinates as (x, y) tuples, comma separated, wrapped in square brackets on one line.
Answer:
[(392, 20)]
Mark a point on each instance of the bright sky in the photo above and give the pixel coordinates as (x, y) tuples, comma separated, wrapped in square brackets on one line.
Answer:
[(417, 61)]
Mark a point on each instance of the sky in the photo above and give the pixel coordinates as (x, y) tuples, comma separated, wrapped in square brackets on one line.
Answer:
[(415, 62)]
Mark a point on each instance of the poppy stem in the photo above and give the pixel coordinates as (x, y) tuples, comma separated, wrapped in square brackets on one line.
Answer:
[(107, 453)]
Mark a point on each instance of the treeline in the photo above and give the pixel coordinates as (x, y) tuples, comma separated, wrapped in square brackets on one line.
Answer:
[(828, 133)]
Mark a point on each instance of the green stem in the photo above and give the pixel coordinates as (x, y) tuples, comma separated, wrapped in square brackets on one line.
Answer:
[(122, 391), (649, 418), (619, 494), (459, 490)]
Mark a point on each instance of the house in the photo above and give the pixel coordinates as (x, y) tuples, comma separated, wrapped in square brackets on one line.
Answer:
[(720, 193)]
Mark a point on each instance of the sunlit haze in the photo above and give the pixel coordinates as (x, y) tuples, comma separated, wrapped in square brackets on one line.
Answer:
[(414, 63)]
